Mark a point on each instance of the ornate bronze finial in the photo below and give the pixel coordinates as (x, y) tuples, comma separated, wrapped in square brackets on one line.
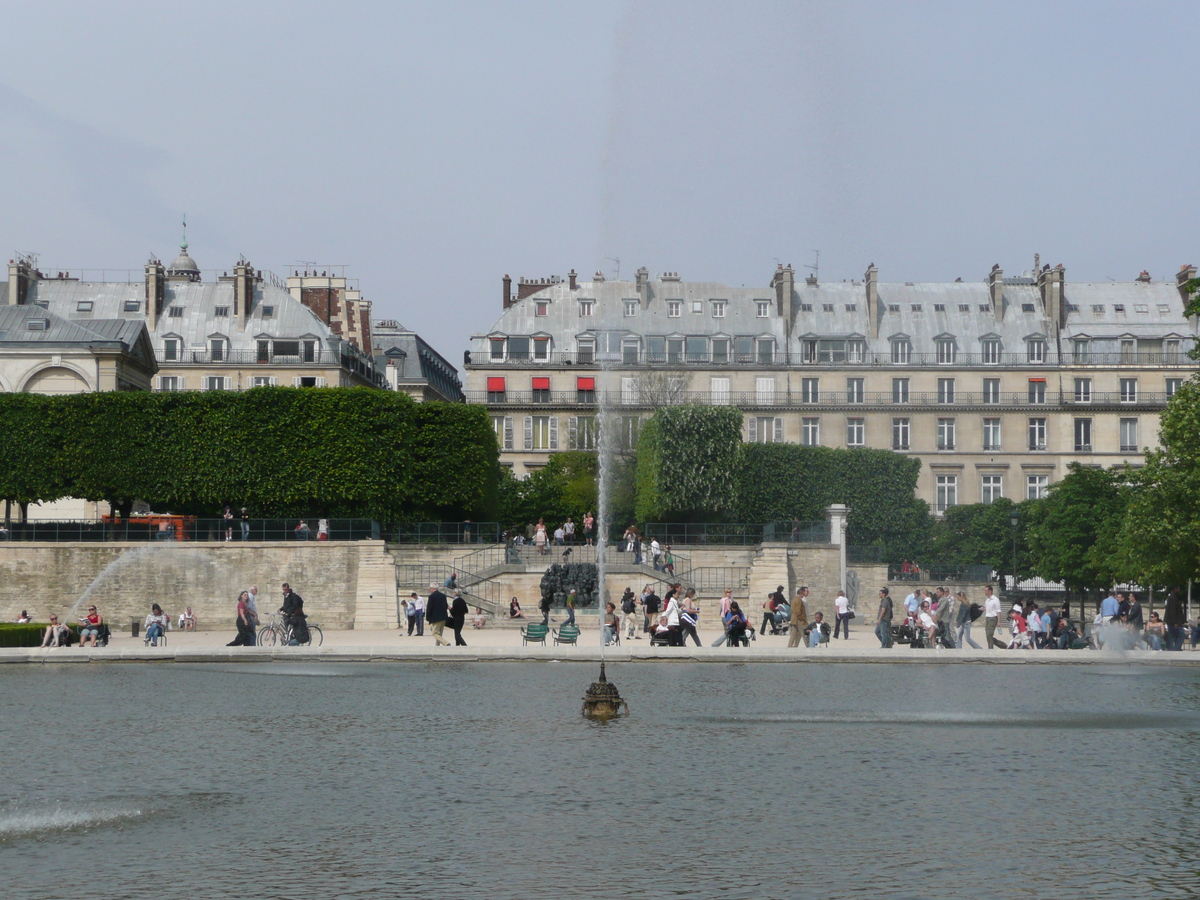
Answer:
[(183, 244), (602, 700)]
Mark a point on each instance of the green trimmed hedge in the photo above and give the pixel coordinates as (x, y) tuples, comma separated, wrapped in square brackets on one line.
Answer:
[(339, 452), (687, 461), (28, 635)]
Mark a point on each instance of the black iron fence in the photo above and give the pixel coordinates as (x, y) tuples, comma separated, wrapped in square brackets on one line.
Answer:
[(190, 528)]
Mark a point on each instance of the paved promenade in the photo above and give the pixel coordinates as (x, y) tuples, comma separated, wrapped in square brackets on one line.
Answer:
[(504, 644)]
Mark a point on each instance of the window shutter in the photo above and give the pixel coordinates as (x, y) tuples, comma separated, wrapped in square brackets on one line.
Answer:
[(573, 432), (508, 433), (752, 426), (778, 430), (320, 381), (554, 432), (529, 432), (295, 381)]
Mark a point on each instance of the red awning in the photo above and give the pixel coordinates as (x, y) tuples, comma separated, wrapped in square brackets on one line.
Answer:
[(541, 384), (1037, 379), (586, 384), (496, 384)]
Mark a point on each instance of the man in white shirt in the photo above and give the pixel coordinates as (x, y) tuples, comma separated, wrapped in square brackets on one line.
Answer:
[(912, 602), (252, 603), (672, 617), (656, 554), (991, 618), (420, 616)]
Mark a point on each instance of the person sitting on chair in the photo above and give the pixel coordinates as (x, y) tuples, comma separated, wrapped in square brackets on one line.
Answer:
[(90, 627), (818, 630), (737, 626), (56, 635), (156, 624), (187, 620)]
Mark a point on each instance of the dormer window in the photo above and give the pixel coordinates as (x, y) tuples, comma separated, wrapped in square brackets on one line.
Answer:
[(221, 311), (586, 353), (718, 309), (83, 306), (827, 307), (762, 308), (894, 307), (947, 351), (1119, 308), (497, 349), (631, 308), (175, 312), (541, 349), (674, 309), (587, 308), (964, 307), (1027, 307), (132, 306), (915, 307), (37, 324), (170, 349), (1036, 351), (268, 312), (901, 351), (939, 307), (991, 352), (216, 348)]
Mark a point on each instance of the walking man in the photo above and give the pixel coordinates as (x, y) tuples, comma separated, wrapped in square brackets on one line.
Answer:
[(1175, 618), (962, 622), (420, 617), (883, 630), (991, 618), (726, 602), (843, 616), (799, 618), (437, 611)]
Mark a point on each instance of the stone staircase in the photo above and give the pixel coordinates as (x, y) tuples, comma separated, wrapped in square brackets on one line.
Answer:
[(375, 603)]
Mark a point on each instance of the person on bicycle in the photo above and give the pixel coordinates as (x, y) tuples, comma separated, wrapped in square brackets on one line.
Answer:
[(293, 612)]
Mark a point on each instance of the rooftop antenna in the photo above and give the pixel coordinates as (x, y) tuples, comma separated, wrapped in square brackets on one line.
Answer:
[(618, 262), (816, 264)]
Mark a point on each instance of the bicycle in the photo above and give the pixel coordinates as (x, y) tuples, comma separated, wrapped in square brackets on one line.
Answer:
[(275, 633)]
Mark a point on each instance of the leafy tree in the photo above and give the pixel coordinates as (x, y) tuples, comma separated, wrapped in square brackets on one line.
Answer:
[(981, 534), (1073, 530), (565, 486)]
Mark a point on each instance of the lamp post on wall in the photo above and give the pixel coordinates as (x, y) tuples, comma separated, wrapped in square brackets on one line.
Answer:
[(1014, 519)]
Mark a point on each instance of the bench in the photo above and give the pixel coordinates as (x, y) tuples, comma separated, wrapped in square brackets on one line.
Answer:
[(535, 632), (568, 634)]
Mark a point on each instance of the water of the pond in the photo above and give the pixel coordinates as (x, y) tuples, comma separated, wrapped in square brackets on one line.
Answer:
[(481, 780)]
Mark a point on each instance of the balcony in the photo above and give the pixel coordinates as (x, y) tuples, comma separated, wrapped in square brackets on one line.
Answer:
[(781, 359), (834, 399), (249, 358)]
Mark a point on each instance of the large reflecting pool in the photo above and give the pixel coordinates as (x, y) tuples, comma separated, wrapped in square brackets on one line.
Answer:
[(481, 780)]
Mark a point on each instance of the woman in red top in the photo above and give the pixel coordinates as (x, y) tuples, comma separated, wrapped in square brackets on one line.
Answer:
[(89, 627)]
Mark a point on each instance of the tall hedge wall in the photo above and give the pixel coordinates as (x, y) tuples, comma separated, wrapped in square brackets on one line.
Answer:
[(781, 481), (341, 452), (687, 460)]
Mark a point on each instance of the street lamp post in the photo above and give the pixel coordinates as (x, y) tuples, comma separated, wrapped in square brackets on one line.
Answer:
[(1014, 519)]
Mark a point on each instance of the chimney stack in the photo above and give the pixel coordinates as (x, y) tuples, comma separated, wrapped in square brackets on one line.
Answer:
[(784, 282), (1182, 277), (996, 289), (507, 292), (243, 292), (20, 273), (643, 286), (156, 291), (1052, 283), (1144, 277), (871, 286), (571, 278), (599, 276)]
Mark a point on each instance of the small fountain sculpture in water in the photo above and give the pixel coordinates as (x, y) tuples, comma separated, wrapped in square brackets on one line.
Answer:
[(602, 700)]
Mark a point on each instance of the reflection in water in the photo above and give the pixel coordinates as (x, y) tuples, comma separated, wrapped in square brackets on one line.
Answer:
[(481, 780)]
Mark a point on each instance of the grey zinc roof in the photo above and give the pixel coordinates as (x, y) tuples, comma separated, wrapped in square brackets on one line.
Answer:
[(14, 326), (198, 300), (1023, 316)]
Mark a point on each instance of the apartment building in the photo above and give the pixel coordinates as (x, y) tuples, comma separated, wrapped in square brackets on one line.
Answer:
[(996, 385)]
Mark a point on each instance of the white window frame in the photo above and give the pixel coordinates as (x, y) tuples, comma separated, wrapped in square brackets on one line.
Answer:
[(267, 380), (1129, 390), (762, 309), (541, 430), (990, 352), (1035, 351), (172, 349), (1083, 390), (854, 390), (1083, 434), (992, 432), (718, 389), (991, 488), (587, 309), (629, 390), (946, 434), (947, 351), (764, 429), (856, 432), (718, 309), (810, 390), (216, 383), (947, 492), (1036, 486), (674, 309), (168, 383), (810, 431), (901, 352), (900, 390), (1172, 385), (541, 308), (945, 390), (764, 390), (1037, 391), (901, 433), (583, 433), (631, 308), (1037, 433), (991, 390), (1129, 435)]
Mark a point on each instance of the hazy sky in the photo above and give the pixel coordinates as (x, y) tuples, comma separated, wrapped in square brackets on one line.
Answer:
[(433, 147)]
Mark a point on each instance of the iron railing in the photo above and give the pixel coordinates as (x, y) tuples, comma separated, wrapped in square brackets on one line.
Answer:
[(443, 532), (864, 554), (941, 572), (825, 399), (166, 529), (475, 590), (641, 358)]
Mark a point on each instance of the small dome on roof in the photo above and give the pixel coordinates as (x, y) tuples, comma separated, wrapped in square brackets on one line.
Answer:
[(184, 267)]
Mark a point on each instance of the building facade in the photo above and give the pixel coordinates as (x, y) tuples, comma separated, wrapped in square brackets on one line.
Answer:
[(240, 329), (410, 365), (996, 386)]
